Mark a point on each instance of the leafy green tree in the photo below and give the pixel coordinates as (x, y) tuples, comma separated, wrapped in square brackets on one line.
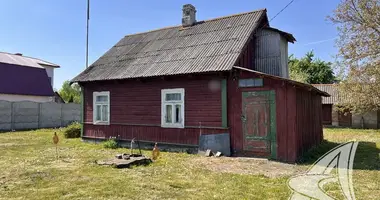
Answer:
[(358, 24), (71, 99), (310, 70), (70, 93)]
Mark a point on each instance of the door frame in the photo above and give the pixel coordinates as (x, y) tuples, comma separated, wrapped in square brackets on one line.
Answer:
[(272, 137)]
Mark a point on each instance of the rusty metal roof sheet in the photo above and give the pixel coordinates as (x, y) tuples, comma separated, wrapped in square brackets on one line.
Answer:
[(208, 46), (331, 89)]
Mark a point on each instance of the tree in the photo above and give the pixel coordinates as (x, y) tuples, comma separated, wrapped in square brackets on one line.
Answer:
[(310, 70), (71, 100), (358, 24), (70, 93)]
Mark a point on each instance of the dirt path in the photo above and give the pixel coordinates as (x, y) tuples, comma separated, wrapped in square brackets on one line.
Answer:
[(256, 166)]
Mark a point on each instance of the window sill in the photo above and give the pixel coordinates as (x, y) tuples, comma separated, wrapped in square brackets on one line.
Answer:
[(101, 123), (172, 126)]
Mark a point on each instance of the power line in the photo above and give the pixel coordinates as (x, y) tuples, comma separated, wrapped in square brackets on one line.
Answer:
[(267, 23), (281, 10)]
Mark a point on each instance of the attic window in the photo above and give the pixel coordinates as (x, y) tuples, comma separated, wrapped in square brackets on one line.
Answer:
[(173, 108), (253, 82)]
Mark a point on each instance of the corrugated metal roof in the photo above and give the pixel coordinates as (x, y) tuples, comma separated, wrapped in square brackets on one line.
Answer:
[(331, 89), (208, 46), (24, 60)]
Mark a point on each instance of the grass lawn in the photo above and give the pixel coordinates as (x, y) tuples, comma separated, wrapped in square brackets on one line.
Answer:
[(30, 170)]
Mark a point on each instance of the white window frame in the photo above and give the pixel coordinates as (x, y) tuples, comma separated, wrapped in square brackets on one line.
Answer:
[(173, 103), (94, 107)]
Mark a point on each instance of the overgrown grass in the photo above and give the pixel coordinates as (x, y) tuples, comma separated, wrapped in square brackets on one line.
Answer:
[(29, 170)]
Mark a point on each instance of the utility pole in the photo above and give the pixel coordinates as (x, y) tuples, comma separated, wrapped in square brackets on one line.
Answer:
[(88, 20)]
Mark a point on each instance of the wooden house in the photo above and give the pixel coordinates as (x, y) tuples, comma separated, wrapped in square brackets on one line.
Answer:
[(224, 75)]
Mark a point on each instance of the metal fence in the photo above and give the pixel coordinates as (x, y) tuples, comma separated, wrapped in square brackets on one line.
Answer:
[(33, 115)]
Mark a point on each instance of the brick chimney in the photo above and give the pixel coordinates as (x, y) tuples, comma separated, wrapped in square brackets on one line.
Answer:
[(188, 15)]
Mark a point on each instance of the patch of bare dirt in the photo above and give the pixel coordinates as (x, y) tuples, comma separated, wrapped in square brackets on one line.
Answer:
[(255, 166)]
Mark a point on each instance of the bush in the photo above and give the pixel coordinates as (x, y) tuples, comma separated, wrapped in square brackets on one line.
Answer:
[(73, 130), (110, 143)]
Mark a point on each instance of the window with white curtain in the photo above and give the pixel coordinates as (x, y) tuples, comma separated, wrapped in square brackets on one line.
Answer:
[(101, 107), (173, 108)]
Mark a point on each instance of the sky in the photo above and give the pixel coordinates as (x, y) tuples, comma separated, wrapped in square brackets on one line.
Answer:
[(55, 30)]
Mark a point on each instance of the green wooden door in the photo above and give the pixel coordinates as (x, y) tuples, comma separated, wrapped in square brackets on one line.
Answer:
[(259, 122)]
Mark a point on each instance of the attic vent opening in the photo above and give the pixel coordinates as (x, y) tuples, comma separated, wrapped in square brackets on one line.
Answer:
[(18, 54), (188, 15)]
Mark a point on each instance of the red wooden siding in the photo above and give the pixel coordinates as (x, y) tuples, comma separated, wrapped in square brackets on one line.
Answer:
[(130, 99), (309, 121), (136, 112), (247, 56), (298, 116), (135, 109), (187, 136)]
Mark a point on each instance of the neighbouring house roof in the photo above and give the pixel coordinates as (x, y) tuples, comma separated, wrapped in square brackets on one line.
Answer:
[(302, 85), (24, 80), (208, 46), (24, 60), (331, 89)]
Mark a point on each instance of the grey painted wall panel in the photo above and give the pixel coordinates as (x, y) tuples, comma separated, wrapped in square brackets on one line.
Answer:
[(50, 115), (70, 113), (5, 112), (33, 115), (25, 115), (367, 120), (5, 126), (25, 125)]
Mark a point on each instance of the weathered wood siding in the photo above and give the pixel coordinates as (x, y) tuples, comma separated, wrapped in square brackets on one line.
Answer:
[(135, 109), (285, 115), (177, 136), (309, 121), (298, 116), (247, 56)]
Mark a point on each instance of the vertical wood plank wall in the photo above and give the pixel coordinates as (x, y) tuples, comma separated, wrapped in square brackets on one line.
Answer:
[(136, 112), (298, 116), (135, 109)]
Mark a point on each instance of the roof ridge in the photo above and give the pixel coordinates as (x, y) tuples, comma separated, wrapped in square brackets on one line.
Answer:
[(235, 15), (207, 20)]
